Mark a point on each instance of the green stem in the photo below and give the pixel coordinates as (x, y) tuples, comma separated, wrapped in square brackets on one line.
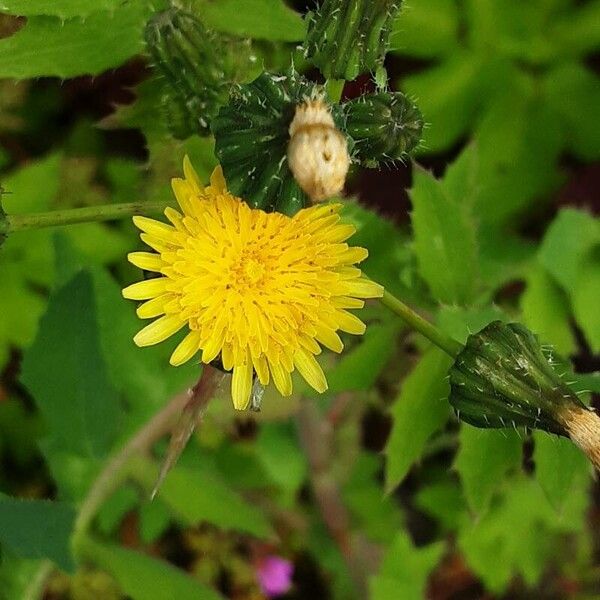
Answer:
[(416, 321), (106, 212), (334, 88)]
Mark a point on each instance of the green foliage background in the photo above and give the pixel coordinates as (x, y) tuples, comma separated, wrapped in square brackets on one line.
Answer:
[(511, 93)]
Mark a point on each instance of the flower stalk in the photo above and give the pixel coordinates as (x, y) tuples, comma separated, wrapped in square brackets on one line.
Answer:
[(443, 341), (106, 212)]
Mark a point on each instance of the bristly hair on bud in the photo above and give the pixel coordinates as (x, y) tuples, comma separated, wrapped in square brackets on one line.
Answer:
[(502, 378), (198, 67), (252, 132), (348, 37), (3, 219), (317, 151), (385, 127)]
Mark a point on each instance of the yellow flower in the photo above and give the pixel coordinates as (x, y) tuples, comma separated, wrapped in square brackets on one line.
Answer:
[(261, 290)]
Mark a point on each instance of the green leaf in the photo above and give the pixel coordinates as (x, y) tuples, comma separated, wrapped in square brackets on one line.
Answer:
[(577, 32), (444, 501), (259, 19), (18, 576), (559, 467), (66, 374), (384, 241), (570, 237), (444, 240), (483, 459), (519, 141), (360, 366), (144, 578), (585, 298), (278, 452), (37, 529), (574, 93), (202, 495), (65, 9), (420, 410), (448, 95), (519, 534), (546, 311), (426, 29), (405, 569), (460, 323), (89, 46)]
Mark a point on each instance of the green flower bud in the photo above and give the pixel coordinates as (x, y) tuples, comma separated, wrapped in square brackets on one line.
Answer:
[(385, 127), (503, 378), (252, 133), (348, 37), (198, 67)]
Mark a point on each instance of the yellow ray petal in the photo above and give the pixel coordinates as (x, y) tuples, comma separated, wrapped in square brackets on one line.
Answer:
[(241, 385), (190, 174), (144, 290), (349, 323), (281, 378), (146, 260), (154, 308), (159, 330), (311, 370), (186, 349)]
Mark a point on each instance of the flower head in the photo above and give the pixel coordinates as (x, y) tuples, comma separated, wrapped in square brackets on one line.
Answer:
[(262, 291)]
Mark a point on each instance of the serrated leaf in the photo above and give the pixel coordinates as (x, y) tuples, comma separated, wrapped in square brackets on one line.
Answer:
[(37, 529), (546, 311), (444, 240), (65, 372), (448, 95), (359, 367), (259, 19), (568, 239), (573, 92), (426, 29), (519, 141), (420, 410), (483, 460), (559, 467), (405, 569), (202, 495), (460, 323), (585, 298), (73, 47), (519, 533), (444, 501), (142, 577), (65, 9)]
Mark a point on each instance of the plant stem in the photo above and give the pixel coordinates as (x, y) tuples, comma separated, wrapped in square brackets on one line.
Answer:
[(316, 435), (416, 321), (69, 216), (115, 470)]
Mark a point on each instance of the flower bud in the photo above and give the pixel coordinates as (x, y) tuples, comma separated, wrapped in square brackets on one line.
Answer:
[(385, 126), (317, 151), (198, 67), (252, 133), (348, 37), (503, 378)]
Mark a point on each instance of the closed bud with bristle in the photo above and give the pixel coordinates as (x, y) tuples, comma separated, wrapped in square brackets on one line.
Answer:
[(317, 151), (198, 68), (348, 37), (385, 127), (252, 133), (503, 378)]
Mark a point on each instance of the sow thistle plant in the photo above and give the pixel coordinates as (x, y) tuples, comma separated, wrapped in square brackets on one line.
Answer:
[(261, 279), (256, 272)]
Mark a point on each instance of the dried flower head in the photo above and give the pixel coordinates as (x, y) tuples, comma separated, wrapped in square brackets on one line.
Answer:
[(262, 291), (317, 151)]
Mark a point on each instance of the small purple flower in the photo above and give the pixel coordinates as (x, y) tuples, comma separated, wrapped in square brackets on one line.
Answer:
[(274, 575)]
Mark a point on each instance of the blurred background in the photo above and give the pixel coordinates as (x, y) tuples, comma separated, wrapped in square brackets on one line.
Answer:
[(374, 490)]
